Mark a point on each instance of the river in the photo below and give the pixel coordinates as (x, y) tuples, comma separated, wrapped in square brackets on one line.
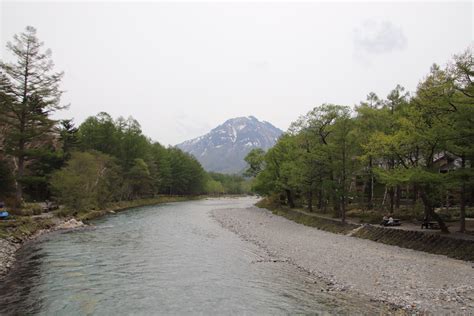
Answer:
[(166, 259)]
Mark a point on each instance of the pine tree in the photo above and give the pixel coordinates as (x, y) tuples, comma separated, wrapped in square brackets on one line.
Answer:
[(31, 93)]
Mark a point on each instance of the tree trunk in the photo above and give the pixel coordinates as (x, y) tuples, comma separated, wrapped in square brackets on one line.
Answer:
[(471, 198), (370, 195), (19, 189), (429, 211), (398, 197), (391, 194), (310, 200), (344, 185), (334, 197), (343, 208), (415, 194), (320, 198), (21, 169), (289, 198), (462, 214)]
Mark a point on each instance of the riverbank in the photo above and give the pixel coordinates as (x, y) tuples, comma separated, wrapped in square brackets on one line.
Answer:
[(14, 233), (403, 277), (457, 246)]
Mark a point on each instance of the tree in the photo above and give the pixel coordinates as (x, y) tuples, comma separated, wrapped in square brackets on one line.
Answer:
[(139, 180), (160, 168), (255, 160), (6, 180), (100, 133), (415, 139), (461, 135), (279, 176), (187, 174), (395, 100), (311, 160), (370, 119), (214, 186), (88, 181), (31, 94), (69, 137), (320, 121), (133, 144), (343, 149)]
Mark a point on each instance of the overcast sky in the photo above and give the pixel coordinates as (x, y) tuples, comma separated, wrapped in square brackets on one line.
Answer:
[(181, 69)]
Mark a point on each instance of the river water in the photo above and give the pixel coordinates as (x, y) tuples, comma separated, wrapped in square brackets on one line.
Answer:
[(166, 259)]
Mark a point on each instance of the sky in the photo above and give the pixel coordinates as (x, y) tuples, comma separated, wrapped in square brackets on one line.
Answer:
[(182, 68)]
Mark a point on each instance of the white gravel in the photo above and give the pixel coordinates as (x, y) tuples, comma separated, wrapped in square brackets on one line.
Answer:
[(7, 255), (407, 278)]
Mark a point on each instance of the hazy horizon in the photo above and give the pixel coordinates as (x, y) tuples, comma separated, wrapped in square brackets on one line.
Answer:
[(181, 69)]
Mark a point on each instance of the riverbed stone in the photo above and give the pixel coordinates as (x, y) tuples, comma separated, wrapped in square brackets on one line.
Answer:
[(406, 278)]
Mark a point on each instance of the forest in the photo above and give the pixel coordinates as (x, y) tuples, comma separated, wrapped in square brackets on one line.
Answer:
[(82, 167), (406, 154)]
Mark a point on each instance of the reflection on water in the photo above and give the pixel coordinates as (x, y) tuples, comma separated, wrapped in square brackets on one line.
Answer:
[(168, 259)]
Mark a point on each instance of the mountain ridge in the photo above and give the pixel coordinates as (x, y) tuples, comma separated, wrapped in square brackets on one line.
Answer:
[(224, 147)]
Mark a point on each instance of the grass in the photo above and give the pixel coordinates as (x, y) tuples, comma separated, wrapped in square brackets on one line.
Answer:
[(23, 227), (326, 224), (28, 209)]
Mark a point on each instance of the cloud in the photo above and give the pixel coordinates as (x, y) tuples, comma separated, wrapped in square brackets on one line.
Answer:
[(261, 66), (378, 37)]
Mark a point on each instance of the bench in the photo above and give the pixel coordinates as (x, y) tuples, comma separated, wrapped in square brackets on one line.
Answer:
[(430, 225), (49, 206)]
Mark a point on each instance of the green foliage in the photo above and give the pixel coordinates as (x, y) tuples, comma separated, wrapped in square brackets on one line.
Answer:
[(255, 161), (139, 180), (187, 174), (88, 181), (118, 162), (334, 156), (69, 137), (148, 168), (214, 187), (226, 184)]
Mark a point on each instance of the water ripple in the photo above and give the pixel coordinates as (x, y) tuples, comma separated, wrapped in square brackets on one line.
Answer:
[(169, 259)]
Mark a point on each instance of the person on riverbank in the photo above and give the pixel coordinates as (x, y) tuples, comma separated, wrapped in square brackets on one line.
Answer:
[(390, 221), (3, 211)]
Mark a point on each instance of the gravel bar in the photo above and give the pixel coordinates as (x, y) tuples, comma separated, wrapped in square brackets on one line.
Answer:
[(407, 278)]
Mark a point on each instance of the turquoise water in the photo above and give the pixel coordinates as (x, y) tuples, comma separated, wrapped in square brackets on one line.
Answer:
[(167, 259)]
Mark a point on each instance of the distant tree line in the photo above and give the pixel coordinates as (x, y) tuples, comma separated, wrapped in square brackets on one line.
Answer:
[(103, 160), (219, 183), (388, 154)]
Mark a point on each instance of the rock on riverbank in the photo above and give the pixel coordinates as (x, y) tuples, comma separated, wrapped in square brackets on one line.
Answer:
[(7, 255), (404, 277)]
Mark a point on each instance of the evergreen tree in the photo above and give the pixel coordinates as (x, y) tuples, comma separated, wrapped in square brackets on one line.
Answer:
[(31, 93)]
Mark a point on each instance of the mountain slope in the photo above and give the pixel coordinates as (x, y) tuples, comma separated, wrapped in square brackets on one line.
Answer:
[(224, 148)]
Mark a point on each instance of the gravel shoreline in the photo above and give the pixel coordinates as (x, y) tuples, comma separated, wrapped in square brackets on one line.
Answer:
[(406, 278)]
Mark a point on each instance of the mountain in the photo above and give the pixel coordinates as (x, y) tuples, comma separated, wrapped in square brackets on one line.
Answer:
[(224, 148)]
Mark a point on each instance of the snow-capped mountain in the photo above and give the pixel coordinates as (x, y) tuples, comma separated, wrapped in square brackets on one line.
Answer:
[(224, 148)]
